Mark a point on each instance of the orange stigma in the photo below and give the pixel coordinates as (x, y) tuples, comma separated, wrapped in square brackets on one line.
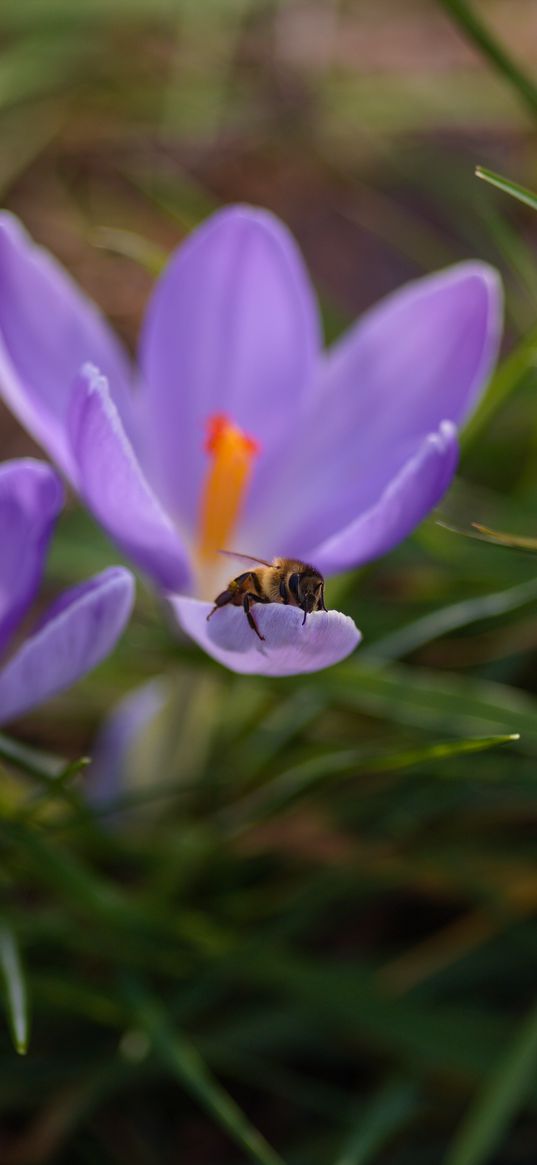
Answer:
[(231, 454)]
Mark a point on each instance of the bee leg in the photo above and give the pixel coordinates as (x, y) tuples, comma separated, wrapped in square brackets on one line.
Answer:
[(221, 601), (248, 600)]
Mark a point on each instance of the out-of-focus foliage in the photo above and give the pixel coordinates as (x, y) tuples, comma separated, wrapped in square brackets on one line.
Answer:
[(306, 929)]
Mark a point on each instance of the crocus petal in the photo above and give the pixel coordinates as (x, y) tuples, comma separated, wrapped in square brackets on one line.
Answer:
[(31, 497), (289, 648), (232, 328), (78, 633), (48, 329), (424, 352), (414, 491), (113, 485), (420, 357), (118, 739)]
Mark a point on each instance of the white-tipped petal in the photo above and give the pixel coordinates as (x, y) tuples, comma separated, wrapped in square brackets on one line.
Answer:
[(289, 648)]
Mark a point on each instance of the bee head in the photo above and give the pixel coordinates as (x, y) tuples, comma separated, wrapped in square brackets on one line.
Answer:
[(308, 588)]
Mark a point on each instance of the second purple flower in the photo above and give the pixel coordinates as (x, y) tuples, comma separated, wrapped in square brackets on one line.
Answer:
[(80, 629)]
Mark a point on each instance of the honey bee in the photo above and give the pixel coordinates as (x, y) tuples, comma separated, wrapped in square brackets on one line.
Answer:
[(284, 580)]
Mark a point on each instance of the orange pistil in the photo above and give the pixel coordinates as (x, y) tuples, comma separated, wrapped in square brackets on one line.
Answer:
[(232, 454)]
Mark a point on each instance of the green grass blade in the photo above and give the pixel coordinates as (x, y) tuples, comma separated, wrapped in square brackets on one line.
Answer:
[(15, 990), (28, 760), (54, 776), (182, 1059), (512, 253), (299, 780), (521, 193), (71, 770), (405, 760), (502, 1096), (350, 1000), (505, 380), (480, 36), (426, 699), (451, 618), (395, 1104), (131, 245), (523, 542)]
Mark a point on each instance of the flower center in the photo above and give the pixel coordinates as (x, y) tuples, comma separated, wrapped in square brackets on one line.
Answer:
[(231, 454)]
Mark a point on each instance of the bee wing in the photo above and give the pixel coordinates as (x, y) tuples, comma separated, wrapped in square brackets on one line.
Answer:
[(245, 557)]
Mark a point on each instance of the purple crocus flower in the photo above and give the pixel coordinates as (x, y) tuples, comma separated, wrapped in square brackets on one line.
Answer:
[(81, 627), (120, 742), (238, 432)]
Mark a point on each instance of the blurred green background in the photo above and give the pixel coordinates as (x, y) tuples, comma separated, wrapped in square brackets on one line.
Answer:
[(305, 932)]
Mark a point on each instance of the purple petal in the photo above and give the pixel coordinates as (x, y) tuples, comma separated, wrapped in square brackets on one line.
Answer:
[(113, 485), (48, 329), (74, 638), (118, 739), (232, 328), (414, 491), (289, 648), (425, 351), (422, 356), (31, 497)]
